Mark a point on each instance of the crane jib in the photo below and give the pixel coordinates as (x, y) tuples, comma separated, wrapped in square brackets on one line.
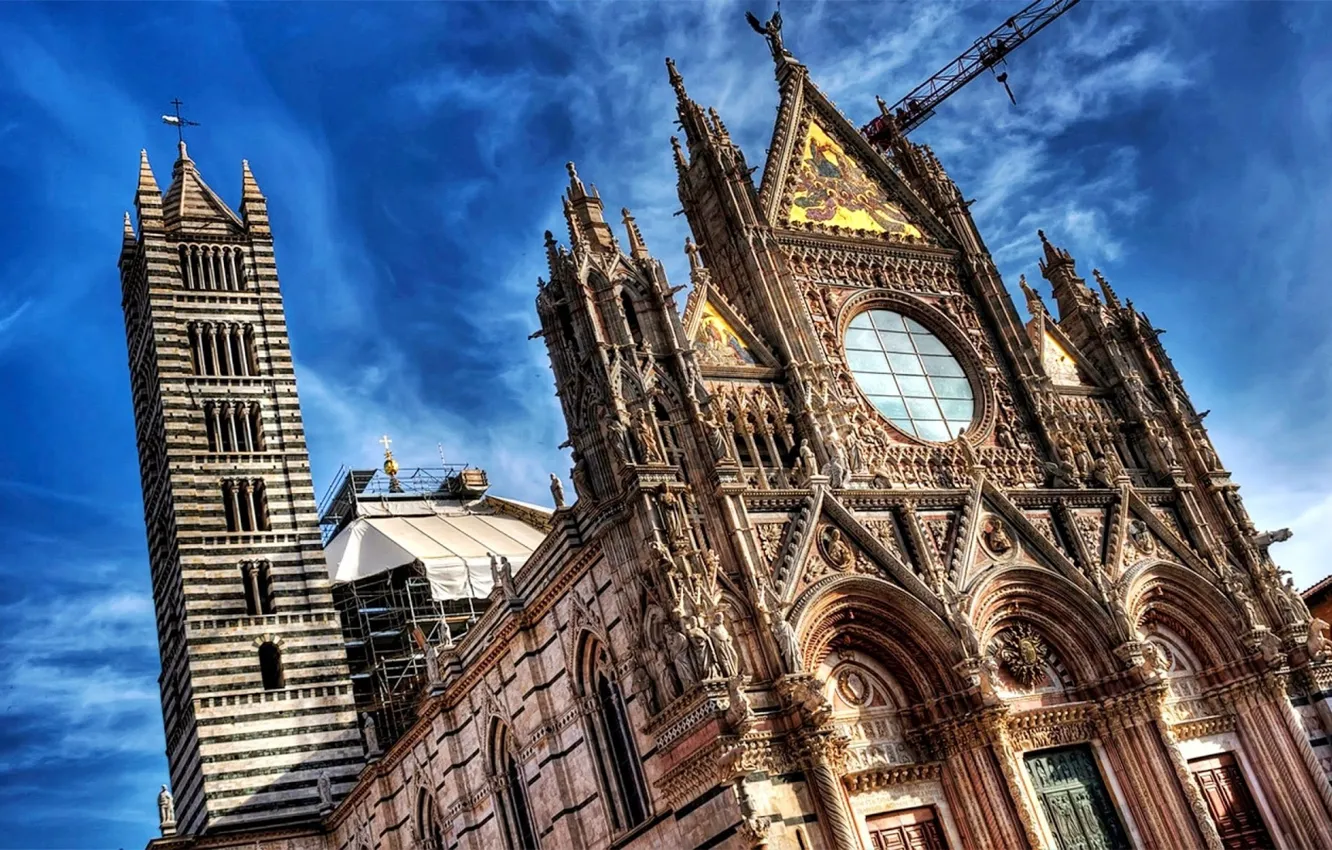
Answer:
[(984, 54)]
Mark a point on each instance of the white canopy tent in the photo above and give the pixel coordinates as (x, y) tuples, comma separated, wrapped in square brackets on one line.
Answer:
[(453, 547)]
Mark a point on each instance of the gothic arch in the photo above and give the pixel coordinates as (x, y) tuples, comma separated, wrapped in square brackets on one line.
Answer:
[(509, 787), (1075, 624), (1189, 605), (888, 624), (609, 734), (429, 830)]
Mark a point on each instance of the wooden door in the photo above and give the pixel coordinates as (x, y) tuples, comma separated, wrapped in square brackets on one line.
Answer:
[(1231, 804), (909, 829), (1075, 801)]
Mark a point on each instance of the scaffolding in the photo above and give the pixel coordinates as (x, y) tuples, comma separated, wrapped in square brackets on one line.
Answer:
[(390, 619)]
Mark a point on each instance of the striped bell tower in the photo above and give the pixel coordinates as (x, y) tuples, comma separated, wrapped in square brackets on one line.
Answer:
[(256, 696)]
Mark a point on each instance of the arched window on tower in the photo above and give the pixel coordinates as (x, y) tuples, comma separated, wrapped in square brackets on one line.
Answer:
[(270, 666), (610, 737), (511, 799), (428, 828)]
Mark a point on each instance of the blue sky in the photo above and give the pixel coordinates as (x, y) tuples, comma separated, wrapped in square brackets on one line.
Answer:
[(413, 155)]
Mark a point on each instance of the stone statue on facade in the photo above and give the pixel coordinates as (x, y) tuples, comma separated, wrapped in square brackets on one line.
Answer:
[(788, 642), (835, 469), (723, 647), (556, 491), (325, 786), (809, 465), (370, 734), (166, 812), (1318, 644), (645, 437)]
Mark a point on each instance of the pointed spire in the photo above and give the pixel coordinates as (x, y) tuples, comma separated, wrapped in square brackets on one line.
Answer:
[(677, 81), (254, 206), (147, 182), (1111, 299), (1053, 256), (249, 186), (588, 229), (190, 204), (681, 163), (148, 197), (1070, 291), (637, 247), (691, 114), (127, 242), (1035, 304)]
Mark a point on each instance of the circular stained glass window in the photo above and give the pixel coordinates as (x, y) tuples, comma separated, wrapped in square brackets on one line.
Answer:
[(909, 375)]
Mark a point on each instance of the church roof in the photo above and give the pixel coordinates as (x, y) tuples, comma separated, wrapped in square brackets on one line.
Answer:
[(190, 203), (453, 540)]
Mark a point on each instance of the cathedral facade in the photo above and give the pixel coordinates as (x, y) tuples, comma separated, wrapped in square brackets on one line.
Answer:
[(858, 558)]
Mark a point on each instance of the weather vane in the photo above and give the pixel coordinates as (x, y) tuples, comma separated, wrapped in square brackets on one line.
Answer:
[(179, 122)]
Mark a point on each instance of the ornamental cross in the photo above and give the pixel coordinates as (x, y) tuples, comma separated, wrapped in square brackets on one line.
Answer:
[(385, 442), (178, 121)]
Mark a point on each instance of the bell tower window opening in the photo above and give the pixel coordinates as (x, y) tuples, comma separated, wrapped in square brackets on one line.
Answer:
[(257, 579), (212, 268), (245, 505), (909, 375), (270, 666), (233, 426), (222, 349)]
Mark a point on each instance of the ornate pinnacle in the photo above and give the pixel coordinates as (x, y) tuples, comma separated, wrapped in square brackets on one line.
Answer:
[(637, 247), (1035, 304), (129, 229), (677, 81), (681, 164), (147, 182), (1111, 299)]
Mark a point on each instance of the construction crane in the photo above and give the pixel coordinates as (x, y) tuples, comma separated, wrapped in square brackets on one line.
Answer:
[(986, 53)]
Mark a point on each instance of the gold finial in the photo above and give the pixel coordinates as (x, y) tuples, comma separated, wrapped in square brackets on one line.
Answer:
[(390, 465)]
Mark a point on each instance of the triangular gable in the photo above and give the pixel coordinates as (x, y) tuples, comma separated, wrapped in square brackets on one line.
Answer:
[(807, 541), (720, 335), (822, 174), (1060, 358), (1001, 533), (190, 204), (1141, 534)]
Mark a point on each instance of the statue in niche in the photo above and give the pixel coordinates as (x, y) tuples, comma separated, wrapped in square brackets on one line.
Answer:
[(723, 646), (677, 645), (645, 436), (700, 645), (834, 549)]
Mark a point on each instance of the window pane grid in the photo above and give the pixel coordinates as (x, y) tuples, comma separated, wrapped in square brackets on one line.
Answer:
[(909, 375)]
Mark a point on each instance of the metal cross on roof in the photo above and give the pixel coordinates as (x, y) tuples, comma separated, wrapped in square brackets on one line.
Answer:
[(385, 442), (179, 122)]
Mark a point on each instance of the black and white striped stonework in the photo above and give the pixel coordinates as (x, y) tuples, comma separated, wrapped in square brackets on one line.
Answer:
[(237, 564)]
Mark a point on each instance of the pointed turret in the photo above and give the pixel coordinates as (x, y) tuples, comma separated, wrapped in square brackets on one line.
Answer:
[(1111, 299), (254, 206), (637, 247), (191, 205), (1035, 304), (1058, 267), (692, 118), (148, 197), (128, 239), (588, 230)]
